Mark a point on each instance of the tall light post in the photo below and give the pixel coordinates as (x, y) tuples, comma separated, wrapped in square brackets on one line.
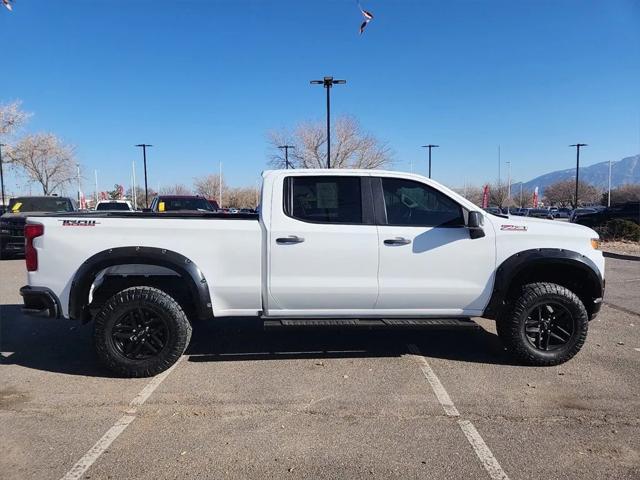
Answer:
[(328, 82), (286, 154), (609, 194), (430, 147), (144, 159), (1, 174), (508, 181), (578, 146)]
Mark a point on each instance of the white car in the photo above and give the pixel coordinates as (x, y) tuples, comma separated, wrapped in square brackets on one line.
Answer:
[(114, 206), (334, 247)]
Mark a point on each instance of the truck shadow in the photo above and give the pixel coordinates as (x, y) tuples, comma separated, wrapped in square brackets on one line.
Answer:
[(64, 346)]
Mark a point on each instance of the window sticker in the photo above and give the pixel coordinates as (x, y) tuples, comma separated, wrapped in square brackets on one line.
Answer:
[(161, 207), (327, 195), (16, 207)]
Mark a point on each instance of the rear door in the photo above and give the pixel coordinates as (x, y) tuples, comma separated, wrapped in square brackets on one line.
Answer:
[(429, 265), (323, 246)]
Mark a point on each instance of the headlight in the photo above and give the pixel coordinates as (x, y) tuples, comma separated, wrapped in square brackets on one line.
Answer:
[(595, 243)]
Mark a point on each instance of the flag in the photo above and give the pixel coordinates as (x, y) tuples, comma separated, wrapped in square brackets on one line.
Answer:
[(368, 16), (535, 198), (485, 196)]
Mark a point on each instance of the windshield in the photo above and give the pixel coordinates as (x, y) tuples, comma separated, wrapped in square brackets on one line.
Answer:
[(39, 204), (195, 204), (113, 206)]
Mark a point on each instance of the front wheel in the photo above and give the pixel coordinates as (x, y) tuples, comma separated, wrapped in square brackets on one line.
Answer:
[(546, 325), (140, 332)]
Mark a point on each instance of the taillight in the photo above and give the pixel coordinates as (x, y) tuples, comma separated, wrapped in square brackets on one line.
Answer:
[(31, 231)]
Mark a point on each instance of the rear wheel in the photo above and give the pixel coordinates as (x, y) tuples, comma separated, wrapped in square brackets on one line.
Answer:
[(546, 325), (140, 332)]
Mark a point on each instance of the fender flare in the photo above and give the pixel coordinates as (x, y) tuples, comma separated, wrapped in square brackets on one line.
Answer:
[(517, 263), (86, 274)]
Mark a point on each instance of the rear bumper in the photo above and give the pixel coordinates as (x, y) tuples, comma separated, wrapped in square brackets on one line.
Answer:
[(40, 301)]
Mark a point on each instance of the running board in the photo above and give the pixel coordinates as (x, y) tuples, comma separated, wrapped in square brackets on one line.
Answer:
[(426, 323)]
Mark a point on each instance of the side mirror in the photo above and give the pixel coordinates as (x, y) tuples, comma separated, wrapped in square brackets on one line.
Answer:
[(474, 224)]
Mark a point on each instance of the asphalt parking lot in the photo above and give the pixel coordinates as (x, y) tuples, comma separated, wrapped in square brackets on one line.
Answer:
[(244, 403)]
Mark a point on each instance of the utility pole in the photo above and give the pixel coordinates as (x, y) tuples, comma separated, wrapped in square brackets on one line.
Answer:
[(95, 172), (134, 188), (220, 188), (286, 154), (499, 164), (1, 174), (144, 158), (577, 145), (328, 82), (508, 181), (430, 147), (609, 195), (79, 199)]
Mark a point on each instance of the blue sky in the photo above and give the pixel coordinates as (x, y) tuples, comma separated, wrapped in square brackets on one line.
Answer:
[(205, 80)]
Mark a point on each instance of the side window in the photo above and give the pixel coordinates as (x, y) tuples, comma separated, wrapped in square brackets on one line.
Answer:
[(415, 204), (324, 199)]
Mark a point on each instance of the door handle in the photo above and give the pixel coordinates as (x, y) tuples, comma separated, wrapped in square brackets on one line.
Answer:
[(397, 241), (290, 240)]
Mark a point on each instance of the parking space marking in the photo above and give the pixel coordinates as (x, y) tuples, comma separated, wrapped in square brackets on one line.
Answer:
[(89, 458), (489, 462), (441, 394)]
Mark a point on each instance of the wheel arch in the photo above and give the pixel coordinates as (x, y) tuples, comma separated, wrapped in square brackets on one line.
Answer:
[(183, 266), (570, 269)]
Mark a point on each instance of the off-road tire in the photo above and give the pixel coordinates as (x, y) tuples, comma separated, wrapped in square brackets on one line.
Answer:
[(178, 331), (511, 324)]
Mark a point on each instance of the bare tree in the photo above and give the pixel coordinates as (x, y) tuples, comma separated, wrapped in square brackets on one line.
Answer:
[(242, 197), (625, 193), (176, 189), (498, 194), (562, 193), (11, 118), (209, 187), (350, 148), (45, 160), (522, 198)]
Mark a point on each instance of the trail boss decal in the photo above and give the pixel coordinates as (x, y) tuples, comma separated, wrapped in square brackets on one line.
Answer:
[(513, 228), (79, 223)]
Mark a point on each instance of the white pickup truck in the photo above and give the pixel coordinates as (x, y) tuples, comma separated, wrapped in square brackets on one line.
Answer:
[(329, 247)]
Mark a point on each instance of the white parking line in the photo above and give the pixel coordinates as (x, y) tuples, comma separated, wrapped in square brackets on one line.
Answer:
[(481, 449), (89, 458)]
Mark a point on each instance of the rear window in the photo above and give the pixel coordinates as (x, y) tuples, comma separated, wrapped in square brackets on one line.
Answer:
[(39, 204), (324, 199), (112, 206), (175, 204)]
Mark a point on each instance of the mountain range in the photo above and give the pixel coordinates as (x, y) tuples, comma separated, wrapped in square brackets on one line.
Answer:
[(623, 172)]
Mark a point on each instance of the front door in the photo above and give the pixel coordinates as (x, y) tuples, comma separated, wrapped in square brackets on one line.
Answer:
[(429, 265), (323, 247)]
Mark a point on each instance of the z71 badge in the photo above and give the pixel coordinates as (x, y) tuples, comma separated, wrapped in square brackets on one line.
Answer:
[(79, 223), (514, 228)]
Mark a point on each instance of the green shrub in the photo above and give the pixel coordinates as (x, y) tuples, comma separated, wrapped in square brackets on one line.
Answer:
[(619, 229)]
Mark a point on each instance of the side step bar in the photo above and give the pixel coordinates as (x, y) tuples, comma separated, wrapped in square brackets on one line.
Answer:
[(417, 323)]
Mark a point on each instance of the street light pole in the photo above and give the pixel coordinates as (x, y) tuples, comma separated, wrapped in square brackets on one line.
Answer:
[(1, 174), (508, 181), (144, 159), (286, 154), (328, 82), (609, 195), (430, 147), (577, 145)]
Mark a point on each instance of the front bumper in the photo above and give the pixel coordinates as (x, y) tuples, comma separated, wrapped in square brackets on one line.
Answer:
[(12, 244), (40, 301)]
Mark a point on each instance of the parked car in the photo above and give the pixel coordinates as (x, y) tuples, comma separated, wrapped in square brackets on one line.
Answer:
[(114, 205), (13, 221), (539, 213), (626, 211), (345, 247), (520, 212), (562, 212), (181, 203), (580, 211), (494, 210)]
